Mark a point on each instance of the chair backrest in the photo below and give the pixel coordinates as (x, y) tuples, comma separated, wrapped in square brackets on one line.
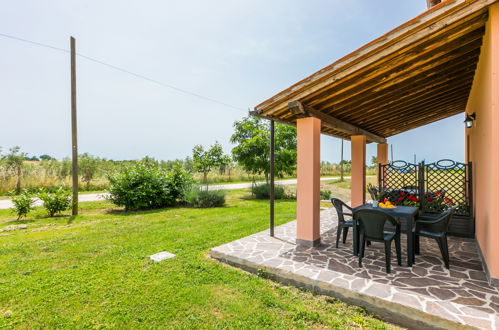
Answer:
[(444, 220), (339, 205), (372, 222)]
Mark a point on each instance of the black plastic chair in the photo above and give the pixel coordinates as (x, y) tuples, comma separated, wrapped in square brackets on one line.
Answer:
[(436, 228), (371, 227), (343, 224)]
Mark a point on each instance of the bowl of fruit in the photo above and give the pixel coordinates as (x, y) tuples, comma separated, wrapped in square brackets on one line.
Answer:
[(386, 204)]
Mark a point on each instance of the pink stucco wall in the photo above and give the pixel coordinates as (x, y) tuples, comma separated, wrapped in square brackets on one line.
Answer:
[(482, 142)]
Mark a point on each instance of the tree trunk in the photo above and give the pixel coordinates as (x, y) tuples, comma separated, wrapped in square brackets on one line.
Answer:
[(205, 179), (19, 175)]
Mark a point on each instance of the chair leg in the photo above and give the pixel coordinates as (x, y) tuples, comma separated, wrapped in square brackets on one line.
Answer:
[(388, 255), (338, 234), (362, 247), (398, 249), (416, 244), (445, 251), (440, 242), (345, 234)]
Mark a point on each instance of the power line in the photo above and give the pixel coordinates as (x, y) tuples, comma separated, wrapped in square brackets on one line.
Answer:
[(117, 68)]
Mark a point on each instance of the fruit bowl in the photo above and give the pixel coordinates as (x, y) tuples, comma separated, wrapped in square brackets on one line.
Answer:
[(387, 205)]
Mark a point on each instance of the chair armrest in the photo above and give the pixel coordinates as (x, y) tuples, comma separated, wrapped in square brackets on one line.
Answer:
[(429, 221), (427, 217), (349, 214)]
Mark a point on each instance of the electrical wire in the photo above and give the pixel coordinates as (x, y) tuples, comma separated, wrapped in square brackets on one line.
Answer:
[(117, 68)]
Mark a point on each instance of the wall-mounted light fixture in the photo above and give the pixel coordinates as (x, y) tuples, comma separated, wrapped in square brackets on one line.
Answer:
[(468, 122)]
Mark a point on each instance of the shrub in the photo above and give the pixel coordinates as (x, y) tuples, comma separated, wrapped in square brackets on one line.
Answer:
[(262, 191), (144, 186), (57, 201), (325, 194), (197, 197), (23, 204), (179, 181)]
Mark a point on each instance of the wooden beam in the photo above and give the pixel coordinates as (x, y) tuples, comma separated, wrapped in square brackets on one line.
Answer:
[(74, 134), (298, 108)]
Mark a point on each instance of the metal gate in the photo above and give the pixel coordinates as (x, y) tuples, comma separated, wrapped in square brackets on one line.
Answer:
[(433, 188)]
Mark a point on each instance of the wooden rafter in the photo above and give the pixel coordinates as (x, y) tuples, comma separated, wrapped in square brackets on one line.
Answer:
[(416, 74), (300, 109)]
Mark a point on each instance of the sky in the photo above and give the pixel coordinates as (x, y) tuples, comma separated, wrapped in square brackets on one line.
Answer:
[(237, 52)]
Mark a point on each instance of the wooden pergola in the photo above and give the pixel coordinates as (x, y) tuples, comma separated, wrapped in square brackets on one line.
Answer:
[(416, 74)]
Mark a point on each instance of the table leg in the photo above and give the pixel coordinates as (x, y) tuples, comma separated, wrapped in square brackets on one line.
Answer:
[(410, 242)]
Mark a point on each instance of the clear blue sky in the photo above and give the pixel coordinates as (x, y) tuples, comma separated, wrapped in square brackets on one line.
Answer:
[(239, 52)]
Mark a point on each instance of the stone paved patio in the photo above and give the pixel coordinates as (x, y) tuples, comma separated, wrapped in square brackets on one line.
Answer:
[(425, 295)]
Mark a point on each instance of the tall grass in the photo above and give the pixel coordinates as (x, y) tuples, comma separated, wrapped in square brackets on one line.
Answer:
[(50, 174)]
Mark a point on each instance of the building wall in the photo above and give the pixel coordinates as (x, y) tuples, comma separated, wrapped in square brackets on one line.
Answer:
[(482, 142)]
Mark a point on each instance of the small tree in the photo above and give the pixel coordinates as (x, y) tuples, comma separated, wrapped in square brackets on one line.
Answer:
[(87, 166), (205, 161), (23, 204), (225, 163), (252, 150), (14, 161), (57, 201)]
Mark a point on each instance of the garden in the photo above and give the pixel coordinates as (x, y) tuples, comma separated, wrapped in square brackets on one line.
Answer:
[(93, 270)]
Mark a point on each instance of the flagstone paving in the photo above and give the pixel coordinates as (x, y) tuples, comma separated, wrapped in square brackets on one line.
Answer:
[(427, 294)]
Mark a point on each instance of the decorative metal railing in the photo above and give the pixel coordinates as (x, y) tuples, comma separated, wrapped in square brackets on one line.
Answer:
[(432, 187)]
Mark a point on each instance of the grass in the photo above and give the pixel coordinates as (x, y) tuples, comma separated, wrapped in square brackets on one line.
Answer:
[(93, 271)]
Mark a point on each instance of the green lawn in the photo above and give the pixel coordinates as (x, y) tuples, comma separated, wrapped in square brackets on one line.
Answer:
[(93, 271)]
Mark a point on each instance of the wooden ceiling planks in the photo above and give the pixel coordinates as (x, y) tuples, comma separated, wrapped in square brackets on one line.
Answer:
[(424, 80)]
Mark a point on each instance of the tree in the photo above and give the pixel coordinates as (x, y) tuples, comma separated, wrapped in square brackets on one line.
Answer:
[(252, 151), (225, 164), (14, 161), (46, 157), (87, 167), (374, 160), (205, 161)]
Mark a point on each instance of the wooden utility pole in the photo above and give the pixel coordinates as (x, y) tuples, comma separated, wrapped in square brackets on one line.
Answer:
[(272, 176), (341, 162), (74, 135)]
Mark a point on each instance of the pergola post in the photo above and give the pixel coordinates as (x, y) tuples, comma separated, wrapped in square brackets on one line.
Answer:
[(308, 175), (272, 176), (358, 170), (382, 157)]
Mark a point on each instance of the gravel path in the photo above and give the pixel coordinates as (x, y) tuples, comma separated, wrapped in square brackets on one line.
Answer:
[(7, 203)]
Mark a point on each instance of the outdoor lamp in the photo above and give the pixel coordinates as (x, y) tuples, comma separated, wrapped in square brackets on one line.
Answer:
[(468, 122)]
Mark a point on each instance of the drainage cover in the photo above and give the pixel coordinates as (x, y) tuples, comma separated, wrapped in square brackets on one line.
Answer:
[(162, 256)]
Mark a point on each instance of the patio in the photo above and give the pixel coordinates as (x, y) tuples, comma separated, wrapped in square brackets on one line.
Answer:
[(426, 295)]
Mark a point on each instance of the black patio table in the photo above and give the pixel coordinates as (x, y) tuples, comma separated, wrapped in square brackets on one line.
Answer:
[(407, 217)]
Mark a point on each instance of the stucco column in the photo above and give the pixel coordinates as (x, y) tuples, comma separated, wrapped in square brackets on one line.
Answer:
[(382, 156), (358, 170), (308, 175)]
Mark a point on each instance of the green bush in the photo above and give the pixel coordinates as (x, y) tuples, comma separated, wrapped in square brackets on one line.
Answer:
[(325, 194), (145, 185), (23, 204), (262, 191), (57, 201), (197, 197)]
